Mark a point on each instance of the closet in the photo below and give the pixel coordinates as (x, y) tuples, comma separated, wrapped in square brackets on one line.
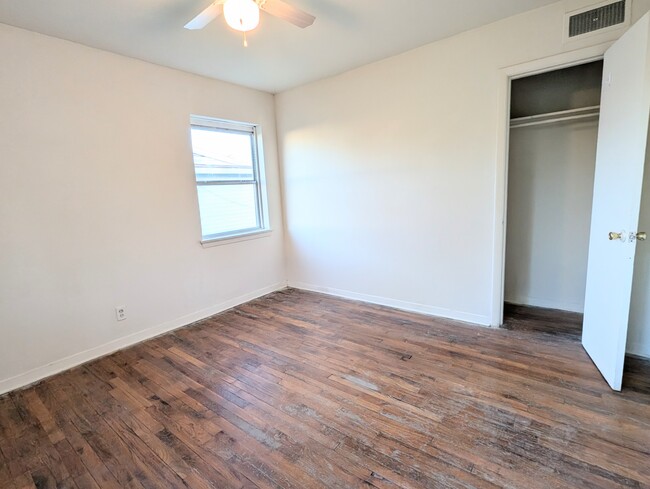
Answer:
[(552, 156), (578, 203)]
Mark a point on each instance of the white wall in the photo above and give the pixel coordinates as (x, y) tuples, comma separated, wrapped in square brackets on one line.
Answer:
[(98, 206), (550, 191), (389, 170)]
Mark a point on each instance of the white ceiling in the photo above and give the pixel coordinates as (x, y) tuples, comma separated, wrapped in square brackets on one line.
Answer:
[(346, 34)]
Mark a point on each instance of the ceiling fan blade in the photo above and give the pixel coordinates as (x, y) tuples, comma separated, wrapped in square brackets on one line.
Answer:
[(207, 16), (284, 11)]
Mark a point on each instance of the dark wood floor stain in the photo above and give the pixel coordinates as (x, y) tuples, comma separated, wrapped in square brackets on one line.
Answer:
[(300, 390)]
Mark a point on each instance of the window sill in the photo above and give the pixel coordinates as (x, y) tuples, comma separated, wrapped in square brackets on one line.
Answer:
[(236, 239)]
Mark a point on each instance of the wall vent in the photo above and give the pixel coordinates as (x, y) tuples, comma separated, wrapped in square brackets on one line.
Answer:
[(596, 19)]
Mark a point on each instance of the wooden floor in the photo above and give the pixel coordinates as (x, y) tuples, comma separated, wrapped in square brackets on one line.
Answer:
[(540, 320), (300, 390)]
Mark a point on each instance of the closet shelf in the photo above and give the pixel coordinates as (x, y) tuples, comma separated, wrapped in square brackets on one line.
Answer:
[(553, 117)]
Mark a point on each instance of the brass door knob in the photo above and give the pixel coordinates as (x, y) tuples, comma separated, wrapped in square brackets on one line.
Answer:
[(642, 236)]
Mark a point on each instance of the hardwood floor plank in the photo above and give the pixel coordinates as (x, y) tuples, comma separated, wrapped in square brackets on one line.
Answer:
[(132, 431), (165, 408), (302, 390), (24, 481), (61, 405)]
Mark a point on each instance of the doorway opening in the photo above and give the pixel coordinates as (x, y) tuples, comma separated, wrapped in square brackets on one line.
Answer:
[(550, 178)]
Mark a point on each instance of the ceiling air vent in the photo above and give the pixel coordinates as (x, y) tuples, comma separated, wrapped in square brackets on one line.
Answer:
[(596, 19)]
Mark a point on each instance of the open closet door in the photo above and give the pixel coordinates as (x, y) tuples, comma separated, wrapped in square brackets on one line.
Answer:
[(622, 142)]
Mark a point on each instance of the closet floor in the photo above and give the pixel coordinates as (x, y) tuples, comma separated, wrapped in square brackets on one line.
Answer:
[(301, 390), (540, 320)]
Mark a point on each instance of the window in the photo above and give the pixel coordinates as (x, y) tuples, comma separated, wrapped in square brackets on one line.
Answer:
[(227, 168)]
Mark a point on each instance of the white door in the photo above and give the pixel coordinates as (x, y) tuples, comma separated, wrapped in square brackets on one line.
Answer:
[(622, 140)]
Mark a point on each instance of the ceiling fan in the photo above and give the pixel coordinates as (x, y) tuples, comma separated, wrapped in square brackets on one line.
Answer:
[(244, 15)]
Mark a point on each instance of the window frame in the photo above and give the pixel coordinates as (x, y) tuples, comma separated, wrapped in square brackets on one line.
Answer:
[(258, 180)]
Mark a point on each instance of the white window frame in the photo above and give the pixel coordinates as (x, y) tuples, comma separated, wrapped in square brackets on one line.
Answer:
[(259, 181)]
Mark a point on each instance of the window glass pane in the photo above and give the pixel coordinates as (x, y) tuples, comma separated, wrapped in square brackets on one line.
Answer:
[(227, 208), (222, 155)]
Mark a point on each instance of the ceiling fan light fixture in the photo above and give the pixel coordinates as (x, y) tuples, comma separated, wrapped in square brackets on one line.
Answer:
[(241, 15)]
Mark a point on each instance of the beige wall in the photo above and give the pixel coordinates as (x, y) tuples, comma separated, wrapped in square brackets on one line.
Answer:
[(98, 206), (390, 170)]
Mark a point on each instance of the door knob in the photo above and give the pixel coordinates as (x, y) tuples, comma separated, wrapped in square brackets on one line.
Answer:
[(616, 236), (642, 236)]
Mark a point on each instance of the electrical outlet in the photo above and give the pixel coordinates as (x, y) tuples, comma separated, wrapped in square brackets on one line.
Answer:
[(120, 313)]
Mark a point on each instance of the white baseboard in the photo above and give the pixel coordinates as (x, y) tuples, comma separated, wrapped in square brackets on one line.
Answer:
[(546, 304), (40, 373), (397, 304), (53, 368)]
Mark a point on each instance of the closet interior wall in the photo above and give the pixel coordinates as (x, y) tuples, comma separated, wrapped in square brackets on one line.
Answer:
[(550, 187)]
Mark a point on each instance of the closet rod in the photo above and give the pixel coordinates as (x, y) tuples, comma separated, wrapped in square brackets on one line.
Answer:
[(553, 121), (553, 117)]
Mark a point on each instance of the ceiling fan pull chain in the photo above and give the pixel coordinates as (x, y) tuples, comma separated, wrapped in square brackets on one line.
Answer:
[(245, 40)]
